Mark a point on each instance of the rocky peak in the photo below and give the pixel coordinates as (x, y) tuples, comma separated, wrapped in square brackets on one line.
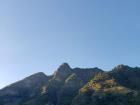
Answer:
[(121, 68), (63, 71), (62, 88), (64, 66)]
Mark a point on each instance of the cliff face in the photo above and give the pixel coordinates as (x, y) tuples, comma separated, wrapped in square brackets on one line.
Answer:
[(76, 86)]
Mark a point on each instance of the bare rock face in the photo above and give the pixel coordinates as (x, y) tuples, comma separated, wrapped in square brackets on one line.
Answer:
[(121, 68), (62, 72), (28, 87), (67, 86)]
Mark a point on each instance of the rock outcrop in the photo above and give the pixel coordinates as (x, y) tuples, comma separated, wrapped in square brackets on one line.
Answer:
[(68, 86)]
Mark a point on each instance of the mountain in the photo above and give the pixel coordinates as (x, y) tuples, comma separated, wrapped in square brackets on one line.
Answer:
[(76, 86)]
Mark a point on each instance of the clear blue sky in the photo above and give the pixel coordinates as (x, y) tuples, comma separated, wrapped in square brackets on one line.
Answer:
[(39, 35)]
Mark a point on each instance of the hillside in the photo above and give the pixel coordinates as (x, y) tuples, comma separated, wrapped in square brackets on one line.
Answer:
[(68, 86)]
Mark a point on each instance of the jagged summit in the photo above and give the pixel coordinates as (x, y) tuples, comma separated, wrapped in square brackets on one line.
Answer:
[(64, 66), (122, 67), (76, 86), (62, 72)]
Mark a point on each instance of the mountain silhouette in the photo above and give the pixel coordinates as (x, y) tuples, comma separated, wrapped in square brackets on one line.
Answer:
[(76, 86)]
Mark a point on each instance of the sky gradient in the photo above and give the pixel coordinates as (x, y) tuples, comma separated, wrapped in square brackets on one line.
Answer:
[(39, 35)]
